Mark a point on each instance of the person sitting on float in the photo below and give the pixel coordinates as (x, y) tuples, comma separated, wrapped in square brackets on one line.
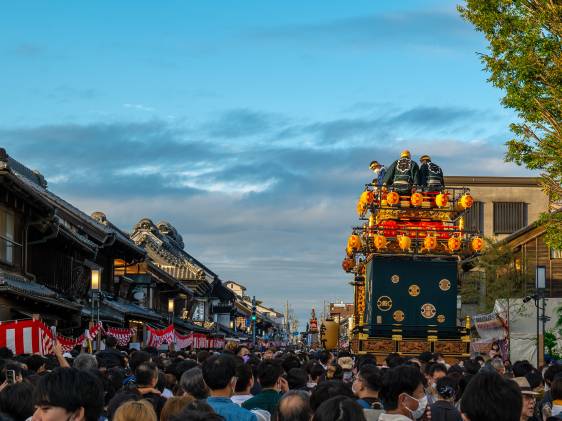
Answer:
[(403, 175)]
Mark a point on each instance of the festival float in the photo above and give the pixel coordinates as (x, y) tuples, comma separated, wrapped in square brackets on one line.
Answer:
[(405, 257)]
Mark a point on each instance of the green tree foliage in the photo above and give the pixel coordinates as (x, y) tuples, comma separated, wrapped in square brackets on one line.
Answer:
[(525, 61), (496, 277)]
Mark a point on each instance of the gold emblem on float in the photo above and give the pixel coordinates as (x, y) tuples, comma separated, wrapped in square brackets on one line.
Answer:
[(384, 303), (428, 311), (440, 318), (444, 285), (414, 290), (398, 315), (395, 279)]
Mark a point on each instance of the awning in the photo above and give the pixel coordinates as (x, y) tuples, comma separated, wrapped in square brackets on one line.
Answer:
[(18, 285), (186, 325), (106, 314), (132, 310)]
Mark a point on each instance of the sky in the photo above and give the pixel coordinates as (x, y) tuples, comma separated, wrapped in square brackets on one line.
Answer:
[(248, 125)]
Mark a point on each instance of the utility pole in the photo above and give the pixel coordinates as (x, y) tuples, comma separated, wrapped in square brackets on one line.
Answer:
[(254, 321)]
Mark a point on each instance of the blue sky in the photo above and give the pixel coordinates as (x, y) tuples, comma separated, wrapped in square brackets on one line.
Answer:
[(248, 125)]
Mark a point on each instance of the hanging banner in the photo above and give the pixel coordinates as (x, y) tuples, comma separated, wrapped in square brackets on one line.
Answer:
[(26, 337), (490, 326), (123, 336), (157, 337), (184, 341)]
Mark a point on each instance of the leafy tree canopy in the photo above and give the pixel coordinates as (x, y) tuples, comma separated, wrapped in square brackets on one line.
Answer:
[(525, 61)]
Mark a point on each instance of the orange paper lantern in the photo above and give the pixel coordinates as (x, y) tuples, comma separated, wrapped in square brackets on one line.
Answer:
[(392, 198), (466, 201), (454, 243), (441, 200), (379, 241), (416, 199), (477, 244), (354, 242), (430, 242), (404, 242), (348, 264)]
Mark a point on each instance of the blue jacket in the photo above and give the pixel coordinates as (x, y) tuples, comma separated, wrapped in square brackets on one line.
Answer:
[(229, 410)]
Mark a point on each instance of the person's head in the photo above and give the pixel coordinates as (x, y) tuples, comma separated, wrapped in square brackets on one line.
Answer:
[(36, 363), (447, 388), (471, 366), (435, 372), (368, 381), (269, 372), (405, 154), (424, 159), (535, 379), (327, 390), (135, 411), (16, 400), (297, 378), (138, 358), (394, 360), (120, 398), (242, 351), (147, 375), (339, 408), (375, 166), (6, 353), (497, 364), (192, 383), (551, 372), (68, 394), (490, 397), (556, 388), (85, 362), (268, 354), (324, 357), (202, 356), (529, 397), (110, 342), (219, 373), (198, 410), (521, 368), (244, 379), (316, 372), (294, 406), (290, 362), (174, 406), (402, 391)]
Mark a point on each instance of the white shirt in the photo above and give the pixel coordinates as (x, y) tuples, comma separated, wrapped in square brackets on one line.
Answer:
[(394, 417), (240, 399)]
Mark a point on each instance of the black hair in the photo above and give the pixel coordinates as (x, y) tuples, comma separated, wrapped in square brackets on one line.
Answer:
[(398, 380), (138, 358), (198, 410), (556, 388), (244, 375), (219, 370), (371, 376), (316, 371), (119, 399), (521, 368), (327, 390), (365, 359), (425, 357), (534, 378), (269, 372), (193, 384), (435, 367), (71, 389), (182, 366), (551, 372), (202, 356), (297, 378), (490, 397), (146, 373), (323, 357), (6, 353), (447, 387), (110, 342), (471, 366), (16, 400), (394, 360), (291, 361), (294, 406), (339, 408), (35, 362)]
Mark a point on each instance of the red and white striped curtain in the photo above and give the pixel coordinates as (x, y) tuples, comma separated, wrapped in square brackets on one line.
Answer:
[(26, 337)]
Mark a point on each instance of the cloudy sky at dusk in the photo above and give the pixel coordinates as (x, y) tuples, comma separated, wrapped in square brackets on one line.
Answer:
[(248, 125)]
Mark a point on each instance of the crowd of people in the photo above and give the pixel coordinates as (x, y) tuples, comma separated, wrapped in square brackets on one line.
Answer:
[(239, 384)]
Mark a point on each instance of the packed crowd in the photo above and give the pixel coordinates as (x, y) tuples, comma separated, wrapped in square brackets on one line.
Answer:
[(238, 384)]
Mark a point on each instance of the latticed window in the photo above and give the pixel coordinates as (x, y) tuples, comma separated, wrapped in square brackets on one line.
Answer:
[(509, 217), (474, 218)]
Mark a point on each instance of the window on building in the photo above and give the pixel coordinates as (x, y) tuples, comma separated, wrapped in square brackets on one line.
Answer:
[(509, 217), (7, 236), (555, 253), (474, 218)]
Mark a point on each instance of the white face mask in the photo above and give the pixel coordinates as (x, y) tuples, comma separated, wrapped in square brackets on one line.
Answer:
[(377, 171), (422, 404)]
